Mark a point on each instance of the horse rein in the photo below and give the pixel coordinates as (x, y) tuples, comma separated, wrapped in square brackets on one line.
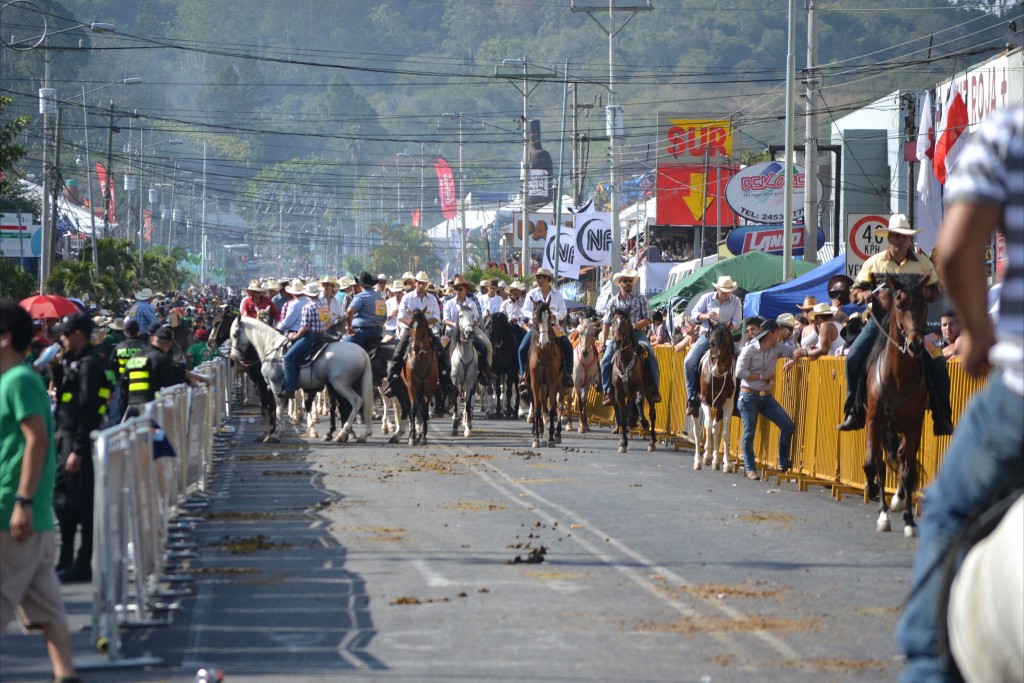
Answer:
[(903, 347)]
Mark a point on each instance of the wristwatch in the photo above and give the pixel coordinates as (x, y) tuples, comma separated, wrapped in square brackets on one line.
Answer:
[(22, 500)]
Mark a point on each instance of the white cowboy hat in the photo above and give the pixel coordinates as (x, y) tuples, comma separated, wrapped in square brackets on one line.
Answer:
[(397, 286), (545, 272), (255, 286), (786, 320), (328, 280), (725, 284), (345, 282), (422, 277), (145, 294), (117, 324), (501, 284), (407, 276), (899, 224), (517, 285), (312, 289), (821, 309), (295, 288), (381, 277), (624, 275)]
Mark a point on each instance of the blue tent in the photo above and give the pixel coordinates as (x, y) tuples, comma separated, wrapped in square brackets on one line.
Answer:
[(785, 298)]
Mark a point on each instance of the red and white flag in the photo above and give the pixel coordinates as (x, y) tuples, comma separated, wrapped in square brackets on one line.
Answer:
[(101, 173), (950, 132), (446, 187), (925, 147)]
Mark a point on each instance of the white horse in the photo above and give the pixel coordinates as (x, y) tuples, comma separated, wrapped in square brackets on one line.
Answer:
[(717, 388), (340, 364), (464, 370), (586, 369)]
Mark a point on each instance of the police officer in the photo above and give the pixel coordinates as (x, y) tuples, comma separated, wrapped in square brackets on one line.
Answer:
[(152, 370), (82, 394), (133, 345)]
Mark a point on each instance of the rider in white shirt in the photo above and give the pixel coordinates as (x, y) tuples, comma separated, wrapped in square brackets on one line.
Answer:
[(544, 292), (512, 307), (418, 300), (453, 308)]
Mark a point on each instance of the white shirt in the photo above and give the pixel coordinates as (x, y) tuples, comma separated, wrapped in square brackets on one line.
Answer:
[(391, 309), (413, 302), (490, 304), (555, 302), (453, 306), (337, 312), (513, 310)]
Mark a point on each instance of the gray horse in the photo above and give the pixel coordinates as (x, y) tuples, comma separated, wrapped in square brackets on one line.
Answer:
[(341, 365), (464, 371)]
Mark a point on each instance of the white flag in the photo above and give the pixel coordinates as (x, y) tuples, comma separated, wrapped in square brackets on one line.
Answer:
[(564, 253), (925, 147)]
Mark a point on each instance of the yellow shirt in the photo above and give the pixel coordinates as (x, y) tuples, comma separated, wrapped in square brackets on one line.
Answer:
[(876, 268)]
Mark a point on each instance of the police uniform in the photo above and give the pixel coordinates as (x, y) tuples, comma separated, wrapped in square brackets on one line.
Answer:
[(129, 348), (81, 408), (147, 373)]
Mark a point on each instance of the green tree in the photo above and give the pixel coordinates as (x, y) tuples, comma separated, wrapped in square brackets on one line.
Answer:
[(10, 151), (404, 248), (15, 282)]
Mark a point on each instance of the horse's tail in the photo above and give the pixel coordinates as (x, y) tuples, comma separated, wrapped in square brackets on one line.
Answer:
[(366, 390)]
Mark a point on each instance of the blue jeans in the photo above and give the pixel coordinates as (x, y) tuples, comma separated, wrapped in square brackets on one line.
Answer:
[(653, 371), (984, 455), (291, 361), (752, 405), (362, 335), (691, 367), (524, 353)]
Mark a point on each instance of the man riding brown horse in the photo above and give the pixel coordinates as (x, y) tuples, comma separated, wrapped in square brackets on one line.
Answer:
[(418, 300)]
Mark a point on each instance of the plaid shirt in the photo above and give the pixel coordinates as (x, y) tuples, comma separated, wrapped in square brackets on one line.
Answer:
[(635, 304), (316, 316)]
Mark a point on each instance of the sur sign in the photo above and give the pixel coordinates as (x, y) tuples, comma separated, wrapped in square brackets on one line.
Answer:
[(861, 241)]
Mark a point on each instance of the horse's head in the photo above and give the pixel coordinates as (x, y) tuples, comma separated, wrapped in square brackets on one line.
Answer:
[(621, 327), (908, 312), (419, 330), (542, 322), (239, 342), (498, 327), (466, 322), (722, 350), (588, 331)]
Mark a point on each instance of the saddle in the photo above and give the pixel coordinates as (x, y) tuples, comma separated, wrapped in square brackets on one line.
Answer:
[(320, 342)]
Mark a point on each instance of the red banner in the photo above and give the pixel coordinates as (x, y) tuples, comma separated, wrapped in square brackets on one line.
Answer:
[(147, 222), (446, 187), (416, 218), (101, 173)]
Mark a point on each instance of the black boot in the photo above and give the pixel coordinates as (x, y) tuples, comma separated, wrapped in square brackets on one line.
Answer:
[(942, 424), (854, 421), (391, 379)]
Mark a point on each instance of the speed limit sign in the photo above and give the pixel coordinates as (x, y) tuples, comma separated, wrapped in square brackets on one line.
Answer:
[(861, 241)]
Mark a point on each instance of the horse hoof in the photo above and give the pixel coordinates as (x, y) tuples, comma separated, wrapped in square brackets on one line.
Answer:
[(897, 504), (412, 442), (697, 464), (273, 438), (467, 433), (536, 443), (558, 440), (343, 437), (910, 531), (622, 449), (716, 465), (883, 525), (394, 439), (454, 431), (328, 437), (708, 460), (650, 448)]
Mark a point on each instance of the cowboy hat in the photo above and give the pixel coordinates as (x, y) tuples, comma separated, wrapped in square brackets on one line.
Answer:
[(852, 329), (517, 285), (723, 284), (787, 320), (624, 275), (381, 277), (407, 276), (255, 286), (422, 277), (396, 286), (767, 327), (460, 281), (546, 272), (328, 280), (809, 303), (145, 294), (899, 224), (345, 282), (821, 309), (295, 287), (366, 279), (312, 289), (272, 285), (501, 284), (100, 320), (116, 324)]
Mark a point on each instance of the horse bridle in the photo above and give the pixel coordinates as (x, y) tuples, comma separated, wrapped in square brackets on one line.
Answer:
[(620, 344), (902, 346)]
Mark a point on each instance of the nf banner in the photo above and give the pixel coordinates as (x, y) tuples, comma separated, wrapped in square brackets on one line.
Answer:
[(564, 253), (445, 187), (593, 237)]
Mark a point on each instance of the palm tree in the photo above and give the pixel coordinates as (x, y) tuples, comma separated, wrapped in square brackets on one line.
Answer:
[(404, 248)]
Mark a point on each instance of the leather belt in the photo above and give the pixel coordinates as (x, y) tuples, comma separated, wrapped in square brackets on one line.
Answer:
[(755, 392)]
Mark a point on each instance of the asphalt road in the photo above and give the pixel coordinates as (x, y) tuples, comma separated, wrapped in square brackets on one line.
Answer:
[(324, 562)]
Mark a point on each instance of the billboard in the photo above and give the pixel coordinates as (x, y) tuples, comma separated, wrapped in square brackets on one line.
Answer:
[(690, 139), (19, 238), (758, 192), (687, 195), (771, 239)]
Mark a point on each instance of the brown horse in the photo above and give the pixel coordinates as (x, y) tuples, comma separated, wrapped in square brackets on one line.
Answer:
[(545, 368), (897, 393), (629, 381), (420, 376), (717, 389)]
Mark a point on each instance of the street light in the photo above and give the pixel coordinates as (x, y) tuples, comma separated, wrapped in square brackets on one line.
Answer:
[(16, 18), (442, 124), (88, 165)]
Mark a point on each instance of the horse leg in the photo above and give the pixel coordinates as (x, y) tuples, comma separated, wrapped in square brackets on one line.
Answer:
[(908, 476), (708, 413), (876, 473), (622, 419), (456, 416), (697, 435), (724, 433), (468, 426), (652, 412)]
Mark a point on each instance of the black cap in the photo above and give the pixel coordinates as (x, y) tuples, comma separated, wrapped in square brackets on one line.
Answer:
[(767, 327), (76, 322), (153, 327), (163, 332)]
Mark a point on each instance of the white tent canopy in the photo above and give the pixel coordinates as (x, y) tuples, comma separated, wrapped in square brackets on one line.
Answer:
[(78, 215)]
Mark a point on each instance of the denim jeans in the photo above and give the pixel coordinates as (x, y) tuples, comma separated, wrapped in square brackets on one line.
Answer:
[(984, 456), (857, 361), (291, 361), (653, 371), (362, 335), (691, 367), (752, 405), (524, 353)]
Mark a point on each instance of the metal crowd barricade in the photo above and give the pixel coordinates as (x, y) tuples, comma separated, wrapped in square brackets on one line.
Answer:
[(140, 492)]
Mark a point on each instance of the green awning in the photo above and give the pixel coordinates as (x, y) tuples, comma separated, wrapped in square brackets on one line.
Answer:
[(753, 271)]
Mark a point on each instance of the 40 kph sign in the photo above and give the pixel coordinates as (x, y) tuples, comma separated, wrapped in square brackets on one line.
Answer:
[(861, 241)]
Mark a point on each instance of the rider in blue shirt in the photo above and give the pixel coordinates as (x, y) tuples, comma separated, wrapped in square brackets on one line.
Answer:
[(365, 313), (143, 311)]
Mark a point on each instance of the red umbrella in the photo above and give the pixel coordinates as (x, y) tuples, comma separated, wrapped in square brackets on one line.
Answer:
[(48, 306)]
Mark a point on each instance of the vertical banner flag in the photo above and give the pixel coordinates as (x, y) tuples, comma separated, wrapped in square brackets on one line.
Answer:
[(416, 218), (925, 147), (593, 236), (445, 187), (564, 253), (147, 222), (101, 173), (949, 136)]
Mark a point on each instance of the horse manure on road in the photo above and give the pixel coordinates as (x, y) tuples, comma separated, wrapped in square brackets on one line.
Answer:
[(534, 555)]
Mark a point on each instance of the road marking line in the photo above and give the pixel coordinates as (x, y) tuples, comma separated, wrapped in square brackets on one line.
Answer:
[(770, 639)]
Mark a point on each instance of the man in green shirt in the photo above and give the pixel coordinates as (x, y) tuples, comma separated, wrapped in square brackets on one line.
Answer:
[(28, 464), (200, 352)]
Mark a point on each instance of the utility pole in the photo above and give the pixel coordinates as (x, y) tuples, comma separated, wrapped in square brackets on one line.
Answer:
[(55, 189), (787, 247), (811, 143), (613, 112)]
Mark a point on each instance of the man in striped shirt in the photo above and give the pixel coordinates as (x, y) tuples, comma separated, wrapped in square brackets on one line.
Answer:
[(640, 317), (985, 193), (313, 323)]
